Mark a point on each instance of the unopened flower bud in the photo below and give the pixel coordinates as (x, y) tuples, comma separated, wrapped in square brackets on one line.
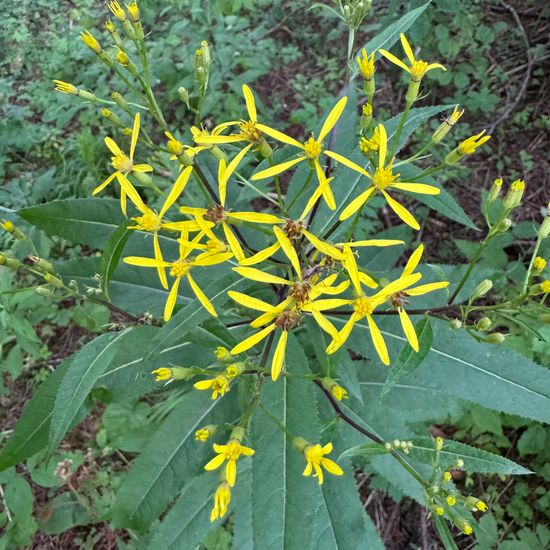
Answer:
[(484, 324), (504, 225), (459, 463), (205, 48), (544, 229), (88, 39), (12, 263), (539, 264), (111, 28), (438, 443), (200, 75), (45, 291), (222, 353), (184, 95), (481, 289), (495, 338), (445, 127), (173, 373), (455, 323), (233, 370), (462, 524), (122, 58), (494, 191), (42, 264), (337, 391), (53, 280), (133, 11), (117, 10), (366, 116), (120, 101), (514, 195), (111, 117), (237, 433)]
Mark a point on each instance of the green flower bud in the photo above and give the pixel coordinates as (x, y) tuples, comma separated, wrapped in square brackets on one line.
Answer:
[(494, 192), (455, 323), (42, 264), (495, 338), (300, 444), (504, 225), (120, 101), (544, 229), (514, 195), (484, 324), (184, 95), (265, 149), (53, 280), (44, 291), (482, 288)]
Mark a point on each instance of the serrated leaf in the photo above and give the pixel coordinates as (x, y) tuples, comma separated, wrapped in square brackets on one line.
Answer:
[(367, 449), (111, 254), (475, 460), (171, 459), (188, 522), (445, 533), (31, 431), (457, 365), (408, 359), (87, 365)]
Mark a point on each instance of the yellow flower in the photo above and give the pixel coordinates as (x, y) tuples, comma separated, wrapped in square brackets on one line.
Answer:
[(205, 433), (364, 306), (474, 504), (249, 129), (90, 41), (468, 146), (173, 373), (539, 263), (162, 374), (230, 452), (366, 64), (545, 286), (372, 144), (133, 10), (117, 10), (233, 370), (217, 214), (315, 456), (219, 385), (439, 510), (382, 179), (418, 68), (451, 500), (447, 477), (65, 87), (311, 151), (123, 164), (222, 498), (339, 393), (181, 268), (445, 127)]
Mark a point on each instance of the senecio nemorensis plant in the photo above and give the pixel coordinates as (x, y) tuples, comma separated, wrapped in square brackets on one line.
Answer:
[(279, 312)]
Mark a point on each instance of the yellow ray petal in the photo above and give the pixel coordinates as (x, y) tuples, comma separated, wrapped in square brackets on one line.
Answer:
[(288, 249), (375, 242), (123, 200), (346, 162), (231, 167), (367, 280), (378, 341), (135, 134), (217, 140), (131, 192), (408, 329), (265, 318), (113, 147), (256, 217), (158, 256), (332, 118), (279, 356), (412, 262), (233, 242), (323, 305), (331, 467), (429, 287), (435, 66), (171, 300), (398, 285), (402, 212), (324, 185), (145, 262), (311, 202), (250, 103), (383, 147), (102, 186), (261, 255), (253, 340), (357, 203), (322, 246), (325, 324), (193, 211), (249, 301), (212, 258), (277, 169), (176, 190), (142, 168), (390, 57), (279, 136), (206, 303), (407, 48), (351, 267), (260, 276), (422, 188)]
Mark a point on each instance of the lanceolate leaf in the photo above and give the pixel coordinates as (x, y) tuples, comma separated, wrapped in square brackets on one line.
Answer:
[(475, 460), (171, 459), (459, 366), (367, 449), (31, 431), (86, 366), (111, 253), (188, 522), (298, 509), (409, 359)]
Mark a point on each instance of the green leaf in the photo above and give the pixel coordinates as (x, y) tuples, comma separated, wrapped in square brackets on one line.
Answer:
[(298, 508), (445, 533), (111, 254), (367, 449), (475, 460), (171, 459), (457, 365), (31, 431), (188, 521), (532, 440), (408, 359), (390, 35), (62, 512), (87, 365)]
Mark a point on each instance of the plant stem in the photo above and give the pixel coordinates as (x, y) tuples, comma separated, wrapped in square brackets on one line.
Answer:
[(530, 269), (399, 130), (302, 189), (468, 272), (278, 188)]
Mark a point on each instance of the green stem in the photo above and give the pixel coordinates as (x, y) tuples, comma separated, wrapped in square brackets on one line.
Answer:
[(468, 272), (530, 269), (278, 188), (302, 189), (399, 131), (415, 156)]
